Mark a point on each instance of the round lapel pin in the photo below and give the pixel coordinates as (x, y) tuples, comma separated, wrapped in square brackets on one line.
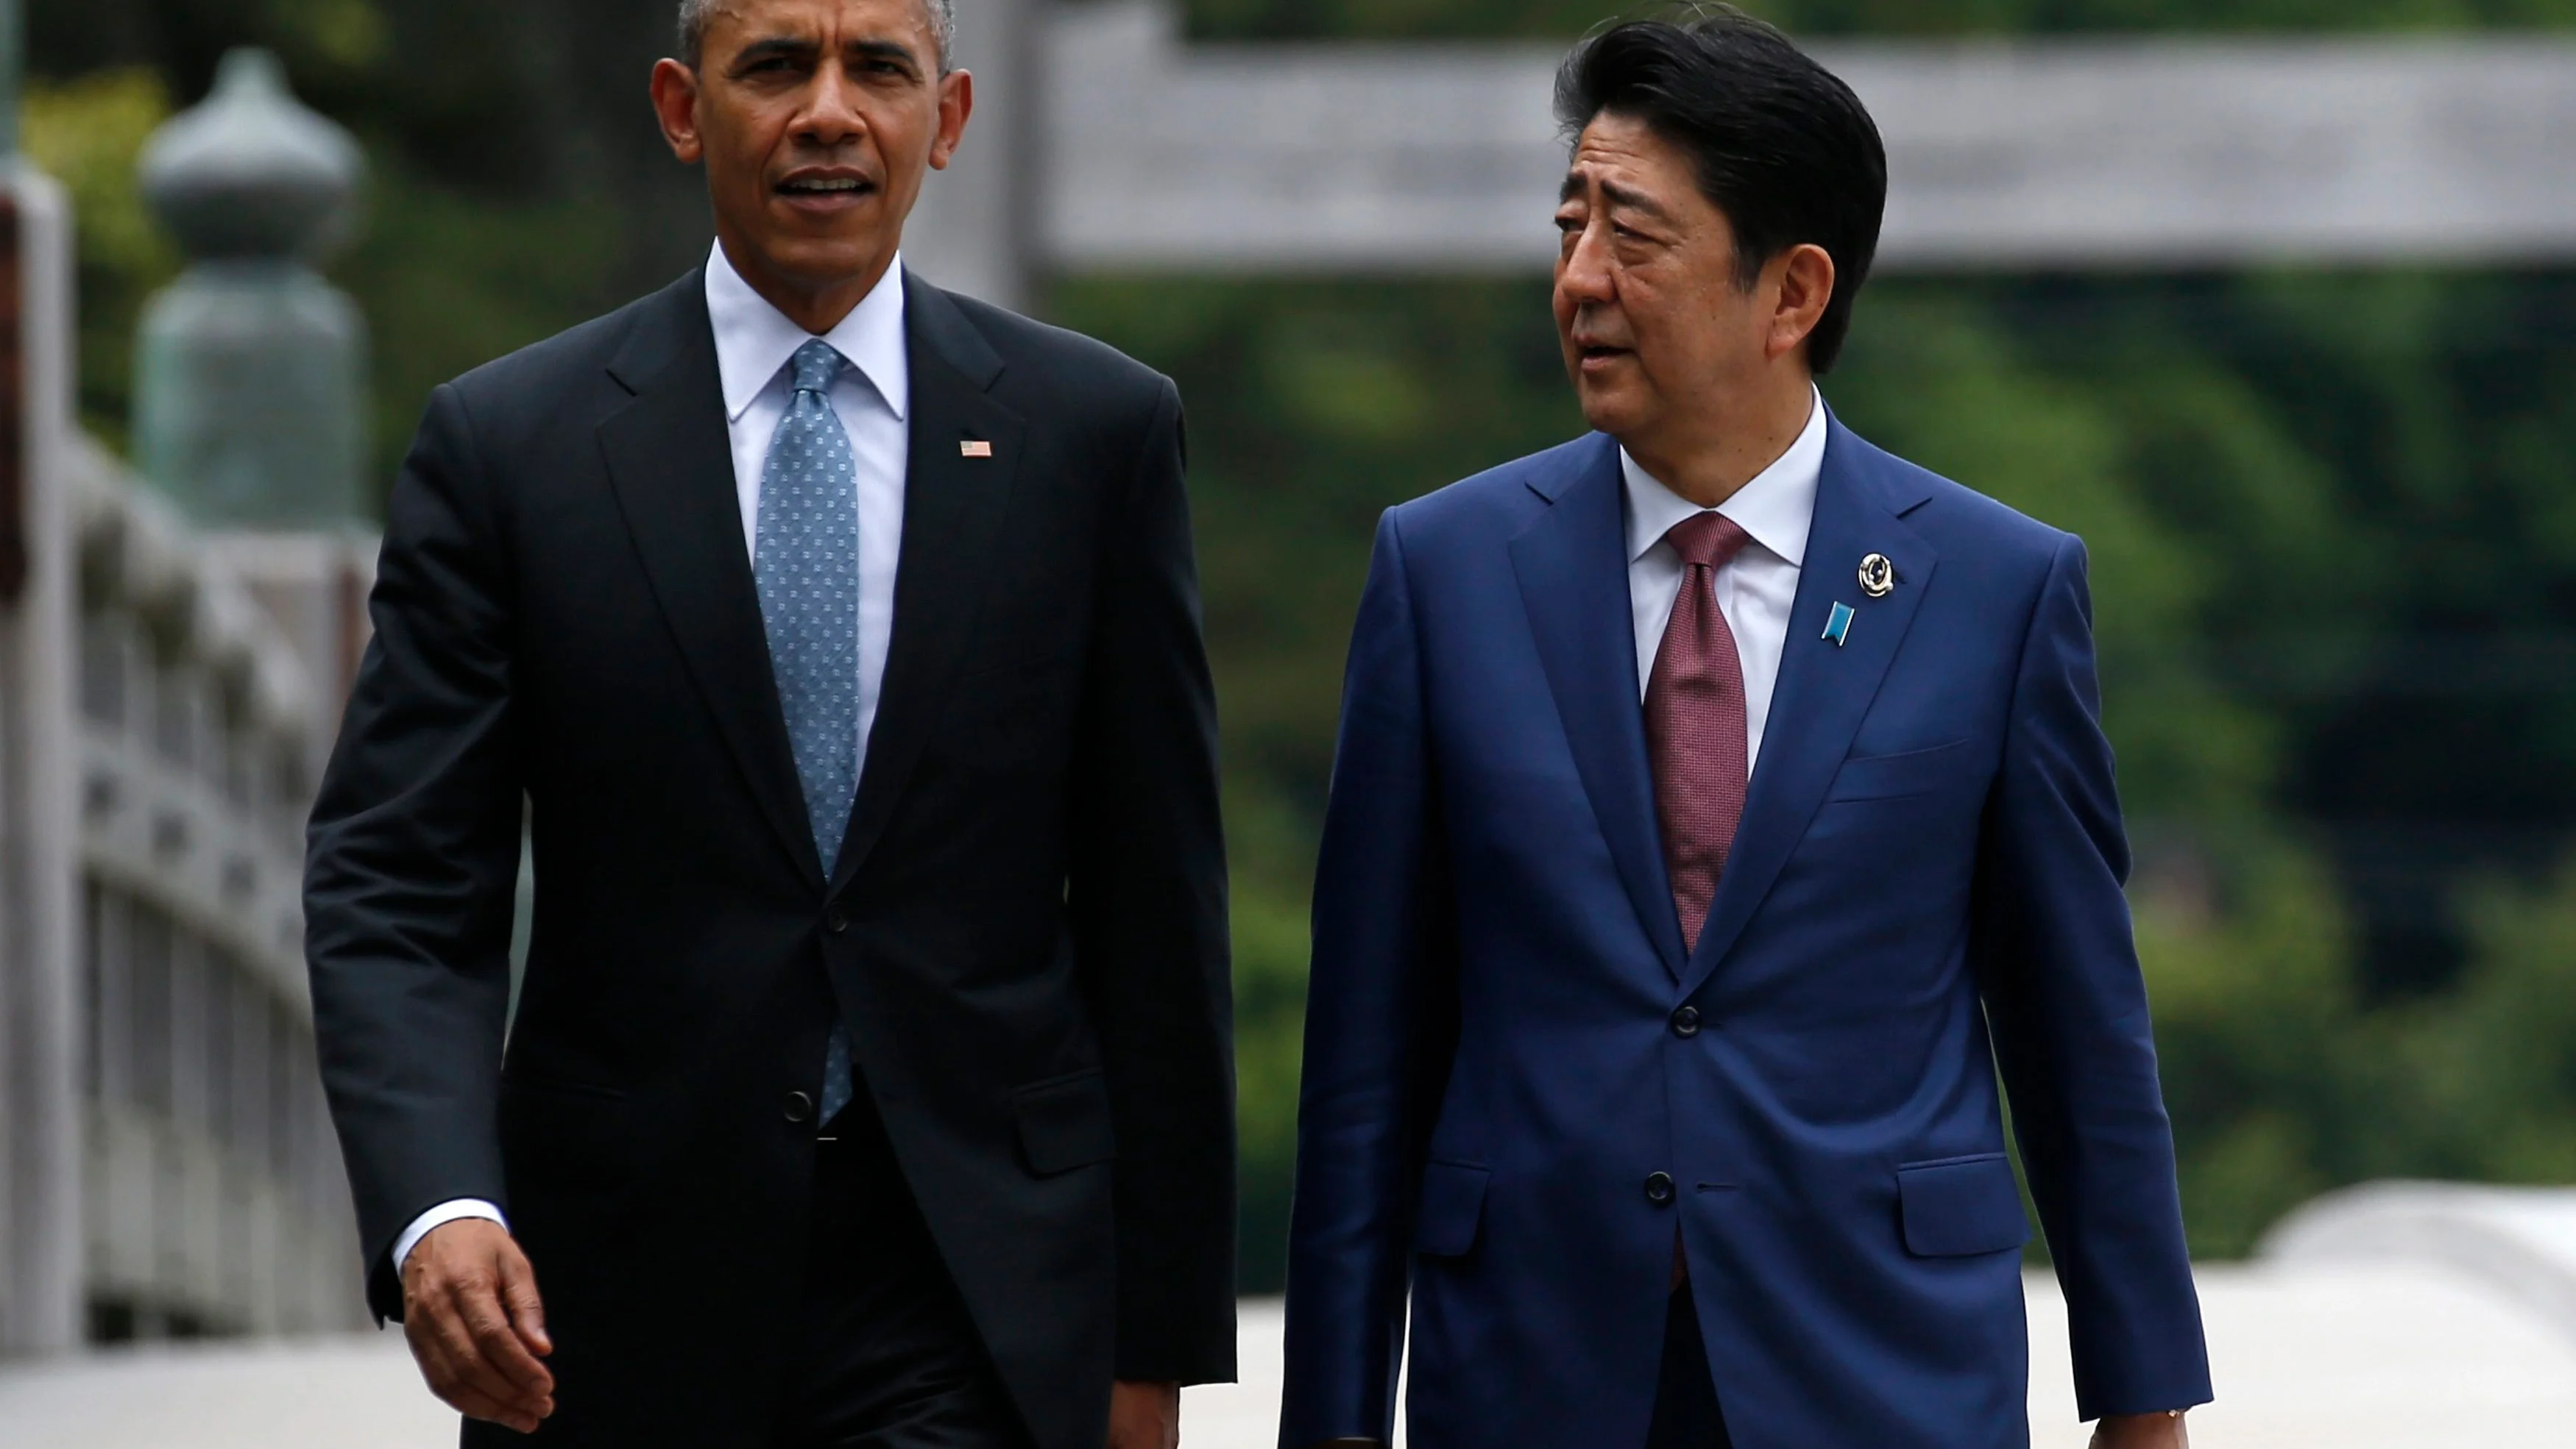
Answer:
[(1877, 576)]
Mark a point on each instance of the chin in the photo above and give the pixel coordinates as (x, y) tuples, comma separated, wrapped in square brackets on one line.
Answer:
[(1608, 410), (826, 262)]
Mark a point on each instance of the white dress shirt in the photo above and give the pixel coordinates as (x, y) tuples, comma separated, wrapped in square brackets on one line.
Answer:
[(755, 342), (873, 397), (1756, 589)]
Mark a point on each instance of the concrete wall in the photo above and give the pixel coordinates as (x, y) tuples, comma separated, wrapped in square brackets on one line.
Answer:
[(1134, 150)]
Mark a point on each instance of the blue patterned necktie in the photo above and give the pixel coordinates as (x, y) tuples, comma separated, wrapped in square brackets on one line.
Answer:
[(807, 569)]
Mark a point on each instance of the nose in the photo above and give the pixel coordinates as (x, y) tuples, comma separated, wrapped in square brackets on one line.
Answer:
[(831, 114), (1587, 274)]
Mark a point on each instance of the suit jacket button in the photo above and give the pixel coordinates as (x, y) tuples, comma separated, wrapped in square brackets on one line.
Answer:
[(837, 923), (1686, 1022), (1659, 1189), (800, 1108)]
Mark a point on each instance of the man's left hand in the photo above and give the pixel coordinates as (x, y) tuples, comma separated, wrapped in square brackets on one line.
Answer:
[(1145, 1416), (2134, 1431)]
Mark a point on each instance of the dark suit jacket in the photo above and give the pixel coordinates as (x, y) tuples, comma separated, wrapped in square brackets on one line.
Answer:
[(1026, 932), (1520, 1085)]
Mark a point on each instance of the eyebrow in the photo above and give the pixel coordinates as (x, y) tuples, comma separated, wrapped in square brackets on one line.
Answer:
[(1634, 200), (798, 48), (774, 48), (1627, 198), (885, 50)]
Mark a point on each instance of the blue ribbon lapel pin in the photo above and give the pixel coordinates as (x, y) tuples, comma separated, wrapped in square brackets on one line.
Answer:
[(1838, 628)]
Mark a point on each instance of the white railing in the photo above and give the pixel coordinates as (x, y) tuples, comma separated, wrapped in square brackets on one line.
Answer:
[(213, 1189)]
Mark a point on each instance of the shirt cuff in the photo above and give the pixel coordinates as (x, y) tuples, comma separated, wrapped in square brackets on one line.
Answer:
[(439, 1217)]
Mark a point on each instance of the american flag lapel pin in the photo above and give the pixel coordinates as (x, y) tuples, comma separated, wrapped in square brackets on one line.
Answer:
[(975, 450)]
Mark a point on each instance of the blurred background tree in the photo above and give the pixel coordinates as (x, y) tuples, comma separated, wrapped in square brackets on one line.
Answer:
[(2332, 516)]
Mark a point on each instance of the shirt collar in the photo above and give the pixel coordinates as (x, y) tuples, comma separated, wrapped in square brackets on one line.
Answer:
[(1776, 509), (755, 341)]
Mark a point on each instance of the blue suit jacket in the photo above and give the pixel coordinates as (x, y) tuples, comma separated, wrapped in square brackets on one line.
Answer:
[(1927, 882)]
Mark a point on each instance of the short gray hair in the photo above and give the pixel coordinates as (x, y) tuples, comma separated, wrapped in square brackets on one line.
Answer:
[(694, 15)]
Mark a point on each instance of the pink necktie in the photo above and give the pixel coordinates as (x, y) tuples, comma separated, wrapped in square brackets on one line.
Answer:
[(1695, 726)]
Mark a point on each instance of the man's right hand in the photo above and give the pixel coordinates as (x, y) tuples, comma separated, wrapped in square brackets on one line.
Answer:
[(476, 1325)]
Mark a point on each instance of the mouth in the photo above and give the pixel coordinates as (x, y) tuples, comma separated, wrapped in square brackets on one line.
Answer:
[(824, 190), (1596, 356)]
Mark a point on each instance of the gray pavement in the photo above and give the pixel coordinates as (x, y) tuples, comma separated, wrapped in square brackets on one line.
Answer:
[(2379, 1356)]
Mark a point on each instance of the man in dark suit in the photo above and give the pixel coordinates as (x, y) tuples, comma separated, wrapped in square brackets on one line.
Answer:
[(836, 640), (1720, 801)]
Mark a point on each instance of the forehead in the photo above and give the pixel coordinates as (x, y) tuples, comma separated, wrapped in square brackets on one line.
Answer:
[(1625, 150), (739, 22)]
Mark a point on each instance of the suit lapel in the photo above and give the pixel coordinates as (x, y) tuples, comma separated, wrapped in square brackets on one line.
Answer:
[(1825, 689), (954, 506), (670, 463), (1573, 569)]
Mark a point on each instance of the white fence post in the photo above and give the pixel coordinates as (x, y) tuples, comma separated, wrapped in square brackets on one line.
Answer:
[(40, 1148)]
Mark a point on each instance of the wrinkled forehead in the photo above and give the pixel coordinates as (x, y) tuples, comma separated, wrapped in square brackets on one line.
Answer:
[(734, 23), (1623, 161)]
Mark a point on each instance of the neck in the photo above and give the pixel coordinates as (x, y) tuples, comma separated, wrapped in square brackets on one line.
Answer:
[(818, 307), (1707, 453)]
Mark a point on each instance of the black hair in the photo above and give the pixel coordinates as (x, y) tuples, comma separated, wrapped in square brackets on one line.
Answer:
[(1781, 145)]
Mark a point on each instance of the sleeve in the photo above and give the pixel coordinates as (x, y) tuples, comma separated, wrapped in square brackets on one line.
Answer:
[(1147, 896), (2058, 966), (412, 860), (1381, 1033), (464, 1209)]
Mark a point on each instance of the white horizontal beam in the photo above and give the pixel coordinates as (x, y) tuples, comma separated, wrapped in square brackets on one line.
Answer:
[(1156, 154), (2520, 1242)]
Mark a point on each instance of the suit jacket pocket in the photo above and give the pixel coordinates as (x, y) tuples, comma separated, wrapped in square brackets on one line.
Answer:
[(1065, 1123), (1961, 1206), (1453, 1204), (1889, 777), (566, 1134)]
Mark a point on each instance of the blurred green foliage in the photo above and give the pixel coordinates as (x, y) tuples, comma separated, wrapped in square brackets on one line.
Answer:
[(2332, 518), (86, 133), (447, 280), (470, 246)]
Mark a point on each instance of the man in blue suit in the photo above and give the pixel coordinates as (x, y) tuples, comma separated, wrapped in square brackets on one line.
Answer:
[(1720, 801)]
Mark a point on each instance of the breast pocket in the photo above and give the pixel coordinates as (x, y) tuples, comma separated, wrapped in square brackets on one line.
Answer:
[(1914, 772)]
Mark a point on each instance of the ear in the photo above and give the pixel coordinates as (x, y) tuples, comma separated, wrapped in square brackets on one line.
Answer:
[(1802, 279), (956, 107), (675, 105)]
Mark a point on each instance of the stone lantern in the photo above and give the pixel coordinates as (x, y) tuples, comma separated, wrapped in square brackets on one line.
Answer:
[(251, 369)]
